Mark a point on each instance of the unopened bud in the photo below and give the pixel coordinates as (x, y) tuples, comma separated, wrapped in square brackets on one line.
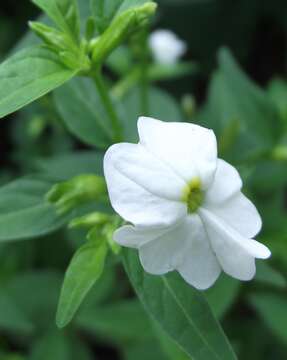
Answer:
[(121, 27), (90, 220), (81, 189)]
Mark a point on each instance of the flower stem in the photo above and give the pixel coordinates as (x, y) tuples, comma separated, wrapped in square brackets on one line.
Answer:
[(126, 83), (144, 90), (144, 83), (109, 106)]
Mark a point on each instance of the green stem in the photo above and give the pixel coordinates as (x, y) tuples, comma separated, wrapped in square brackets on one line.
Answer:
[(109, 106), (144, 90), (126, 83), (144, 81)]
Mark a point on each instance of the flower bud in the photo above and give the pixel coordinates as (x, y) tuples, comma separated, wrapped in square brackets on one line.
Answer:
[(81, 189), (104, 231), (166, 47), (90, 220), (121, 27)]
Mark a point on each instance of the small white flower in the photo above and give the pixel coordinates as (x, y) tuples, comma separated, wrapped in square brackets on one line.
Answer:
[(166, 47), (185, 204)]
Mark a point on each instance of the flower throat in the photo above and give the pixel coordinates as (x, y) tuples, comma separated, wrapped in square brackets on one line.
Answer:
[(193, 195)]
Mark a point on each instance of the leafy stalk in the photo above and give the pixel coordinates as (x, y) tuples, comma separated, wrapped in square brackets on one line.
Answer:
[(108, 104)]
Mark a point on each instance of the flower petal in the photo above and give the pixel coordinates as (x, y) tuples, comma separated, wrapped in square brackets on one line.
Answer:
[(160, 255), (190, 150), (234, 252), (199, 267), (184, 247), (141, 189), (226, 183), (135, 237), (239, 213)]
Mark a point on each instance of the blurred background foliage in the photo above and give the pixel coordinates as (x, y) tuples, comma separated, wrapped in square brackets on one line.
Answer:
[(242, 94)]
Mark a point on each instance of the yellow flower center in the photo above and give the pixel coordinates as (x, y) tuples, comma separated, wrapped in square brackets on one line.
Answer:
[(193, 195)]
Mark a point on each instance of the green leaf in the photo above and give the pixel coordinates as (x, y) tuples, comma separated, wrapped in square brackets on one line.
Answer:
[(169, 347), (27, 76), (277, 91), (222, 295), (13, 319), (235, 99), (107, 321), (23, 211), (66, 166), (85, 269), (274, 174), (104, 11), (105, 288), (53, 345), (30, 38), (35, 294), (150, 350), (266, 274), (272, 309), (82, 110), (181, 310), (64, 13), (161, 106)]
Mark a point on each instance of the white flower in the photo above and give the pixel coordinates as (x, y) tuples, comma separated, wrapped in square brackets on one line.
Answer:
[(185, 204), (166, 47)]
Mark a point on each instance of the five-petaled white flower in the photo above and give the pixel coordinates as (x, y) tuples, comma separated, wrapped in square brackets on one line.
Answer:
[(185, 205), (166, 47)]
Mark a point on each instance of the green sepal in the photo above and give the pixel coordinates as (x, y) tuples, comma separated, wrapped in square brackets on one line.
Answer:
[(109, 230)]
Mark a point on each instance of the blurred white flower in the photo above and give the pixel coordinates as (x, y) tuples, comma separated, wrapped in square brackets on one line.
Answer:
[(185, 204), (166, 47)]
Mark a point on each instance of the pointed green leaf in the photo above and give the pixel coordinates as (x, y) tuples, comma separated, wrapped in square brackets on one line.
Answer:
[(107, 321), (169, 347), (67, 165), (85, 269), (82, 110), (235, 102), (27, 76), (161, 106), (23, 211), (222, 295), (64, 13), (181, 310)]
